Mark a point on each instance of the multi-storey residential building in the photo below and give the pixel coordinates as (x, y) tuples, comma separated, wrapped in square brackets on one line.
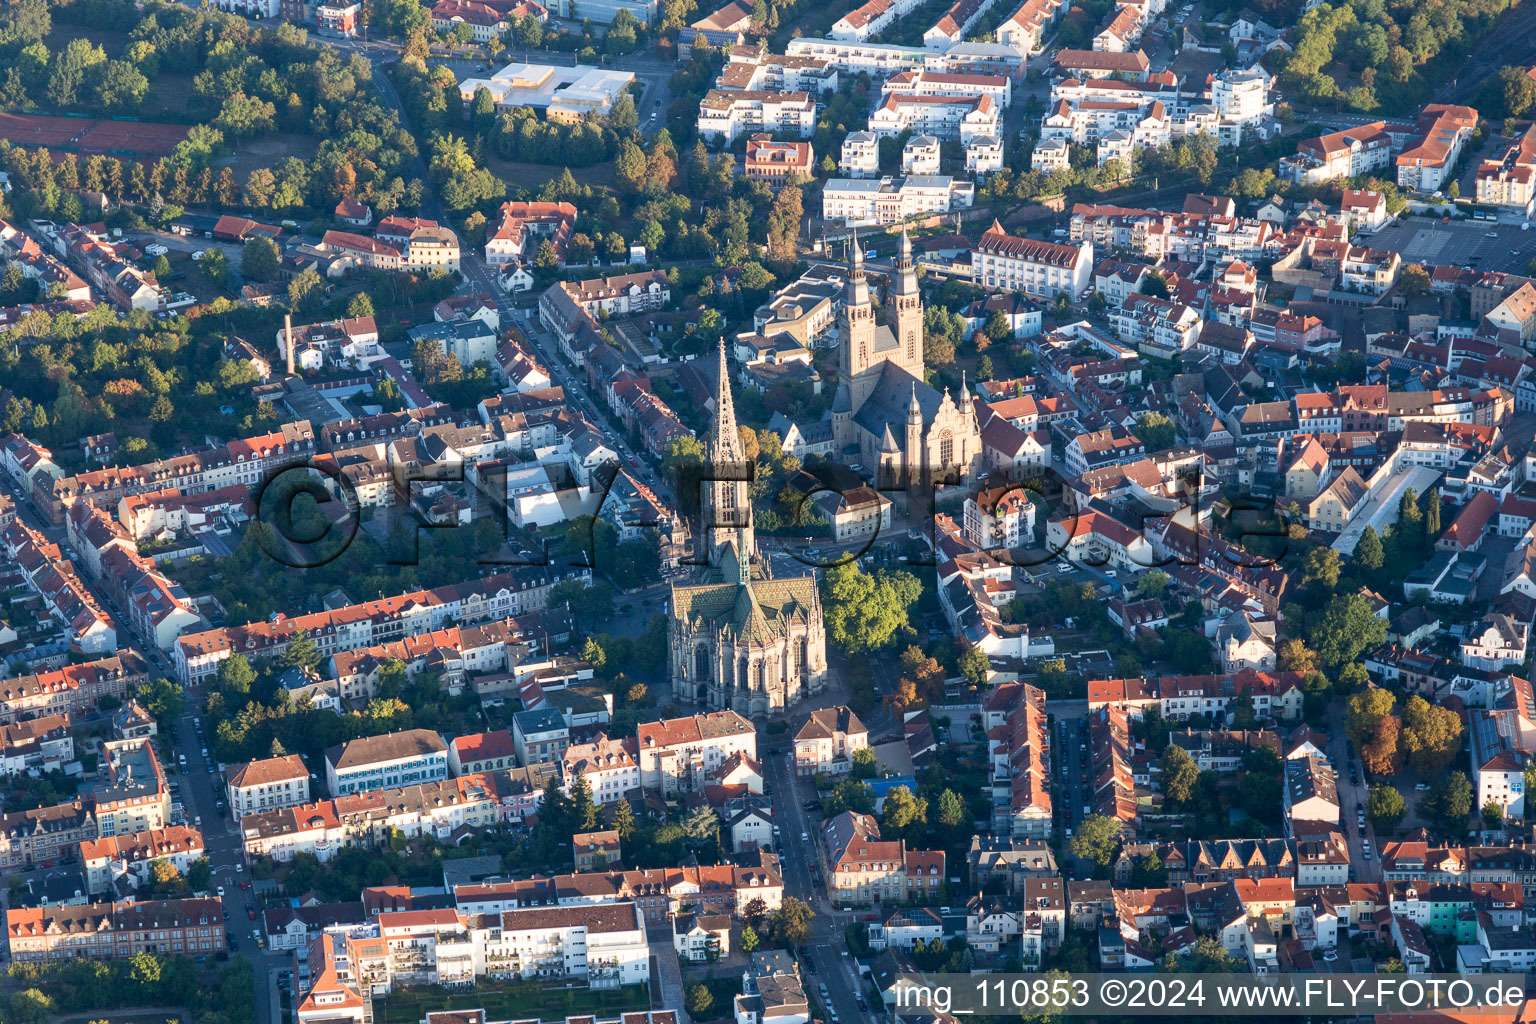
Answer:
[(1158, 327), (524, 226), (870, 19), (540, 735), (115, 931), (999, 517), (860, 155), (267, 784), (865, 869), (1431, 155), (105, 860), (963, 117), (606, 945), (826, 743), (133, 796), (595, 851), (1041, 270), (938, 83), (677, 754), (482, 752), (423, 244), (1509, 179), (391, 761), (728, 113), (608, 765), (37, 745), (1342, 154), (27, 838), (888, 200), (365, 819), (920, 155), (491, 598), (1018, 741), (754, 69)]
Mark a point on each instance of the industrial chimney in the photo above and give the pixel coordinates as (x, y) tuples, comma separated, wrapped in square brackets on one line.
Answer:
[(288, 339)]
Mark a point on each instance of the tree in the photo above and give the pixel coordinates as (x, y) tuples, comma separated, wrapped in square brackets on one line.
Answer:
[(1493, 814), (1321, 566), (1180, 774), (583, 809), (702, 825), (790, 924), (952, 812), (1431, 736), (1415, 279), (1385, 807), (360, 305), (863, 763), (623, 820), (1207, 956), (163, 699), (1369, 554), (1097, 839), (1349, 624), (259, 260), (1156, 431), (1448, 803), (903, 814), (306, 290), (234, 675), (864, 611), (243, 116), (123, 86), (975, 666), (1371, 724), (700, 1001), (1296, 656), (749, 940)]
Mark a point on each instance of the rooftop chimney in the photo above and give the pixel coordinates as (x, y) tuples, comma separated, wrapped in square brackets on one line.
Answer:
[(288, 339)]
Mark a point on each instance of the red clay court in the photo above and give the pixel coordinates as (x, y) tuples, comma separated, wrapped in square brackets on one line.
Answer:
[(87, 135)]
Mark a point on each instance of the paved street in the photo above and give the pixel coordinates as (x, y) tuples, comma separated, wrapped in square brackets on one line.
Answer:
[(827, 951), (1350, 797)]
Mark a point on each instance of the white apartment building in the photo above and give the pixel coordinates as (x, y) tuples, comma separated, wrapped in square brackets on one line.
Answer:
[(984, 155), (1510, 178), (1050, 155), (677, 754), (727, 113), (1241, 97), (825, 745), (1039, 269), (937, 83), (1343, 154), (999, 517), (947, 117), (860, 157), (604, 944), (854, 56), (870, 19), (920, 155), (267, 785), (1156, 326), (1429, 158), (390, 761), (1024, 30), (892, 200), (608, 765)]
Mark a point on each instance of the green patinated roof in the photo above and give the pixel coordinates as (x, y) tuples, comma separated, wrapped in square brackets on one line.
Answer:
[(757, 612)]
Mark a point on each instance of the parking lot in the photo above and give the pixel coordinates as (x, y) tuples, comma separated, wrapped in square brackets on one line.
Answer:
[(1459, 243)]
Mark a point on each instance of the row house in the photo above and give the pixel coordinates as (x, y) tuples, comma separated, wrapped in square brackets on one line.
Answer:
[(115, 931), (74, 690), (497, 597), (443, 810), (1019, 749), (863, 869), (1274, 694), (134, 855)]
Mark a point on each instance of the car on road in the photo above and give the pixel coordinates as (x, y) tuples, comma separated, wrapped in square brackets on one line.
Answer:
[(1493, 234), (221, 892), (805, 837), (1330, 955), (250, 912)]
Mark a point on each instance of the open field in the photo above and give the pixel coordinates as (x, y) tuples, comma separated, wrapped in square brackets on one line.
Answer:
[(515, 1001), (267, 151)]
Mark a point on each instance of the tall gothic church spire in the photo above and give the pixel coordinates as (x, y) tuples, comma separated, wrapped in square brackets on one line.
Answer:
[(727, 498)]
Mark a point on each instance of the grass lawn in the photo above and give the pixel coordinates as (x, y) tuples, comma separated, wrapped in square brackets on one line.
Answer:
[(510, 1001), (723, 990)]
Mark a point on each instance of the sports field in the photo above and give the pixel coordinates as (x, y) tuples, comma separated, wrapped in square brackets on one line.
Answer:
[(142, 139)]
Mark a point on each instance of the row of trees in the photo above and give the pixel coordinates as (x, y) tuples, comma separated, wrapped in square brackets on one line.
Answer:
[(1425, 737)]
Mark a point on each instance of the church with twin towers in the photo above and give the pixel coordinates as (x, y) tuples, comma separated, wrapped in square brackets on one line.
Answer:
[(885, 415)]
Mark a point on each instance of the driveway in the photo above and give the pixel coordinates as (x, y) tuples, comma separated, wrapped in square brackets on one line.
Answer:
[(1350, 797)]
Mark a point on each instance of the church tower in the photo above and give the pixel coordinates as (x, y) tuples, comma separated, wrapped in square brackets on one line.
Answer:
[(726, 502), (914, 465), (906, 308), (857, 354)]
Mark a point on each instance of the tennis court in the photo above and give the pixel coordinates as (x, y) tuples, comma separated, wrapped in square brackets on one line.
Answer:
[(143, 139)]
